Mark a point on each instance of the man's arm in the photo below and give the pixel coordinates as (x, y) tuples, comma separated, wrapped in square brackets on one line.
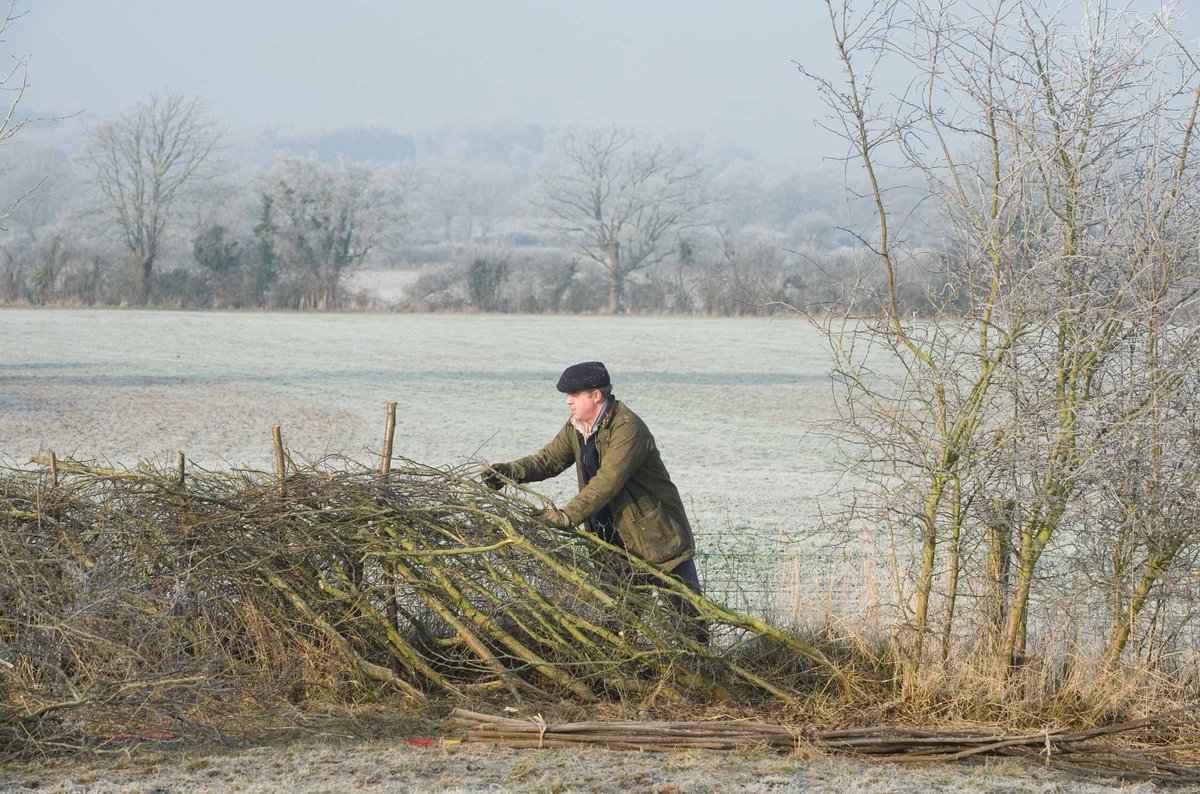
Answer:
[(631, 442), (552, 460)]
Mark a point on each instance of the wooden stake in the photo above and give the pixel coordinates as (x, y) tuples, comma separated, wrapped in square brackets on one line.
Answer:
[(182, 462), (386, 465), (53, 469), (280, 470)]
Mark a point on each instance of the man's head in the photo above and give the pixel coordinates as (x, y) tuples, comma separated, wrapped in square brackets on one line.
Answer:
[(587, 386)]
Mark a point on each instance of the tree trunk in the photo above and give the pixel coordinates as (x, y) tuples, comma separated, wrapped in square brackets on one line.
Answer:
[(143, 270), (999, 555), (613, 251), (929, 542), (1156, 566), (952, 585), (1034, 538)]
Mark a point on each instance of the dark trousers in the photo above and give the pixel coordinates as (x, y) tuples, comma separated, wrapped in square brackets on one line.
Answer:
[(686, 574)]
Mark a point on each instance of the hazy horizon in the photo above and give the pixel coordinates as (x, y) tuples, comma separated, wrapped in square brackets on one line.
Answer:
[(717, 70)]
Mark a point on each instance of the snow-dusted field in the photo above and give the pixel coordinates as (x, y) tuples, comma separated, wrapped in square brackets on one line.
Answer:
[(732, 402)]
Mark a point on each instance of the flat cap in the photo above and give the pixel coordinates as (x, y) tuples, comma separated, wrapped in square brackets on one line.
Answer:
[(580, 377)]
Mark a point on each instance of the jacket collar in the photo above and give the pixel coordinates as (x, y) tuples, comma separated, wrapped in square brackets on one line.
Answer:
[(610, 411), (607, 413)]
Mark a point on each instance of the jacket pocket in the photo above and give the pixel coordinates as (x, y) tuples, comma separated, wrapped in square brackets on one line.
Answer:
[(649, 532)]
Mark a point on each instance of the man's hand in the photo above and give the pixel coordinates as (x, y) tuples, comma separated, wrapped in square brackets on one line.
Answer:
[(557, 518), (494, 476)]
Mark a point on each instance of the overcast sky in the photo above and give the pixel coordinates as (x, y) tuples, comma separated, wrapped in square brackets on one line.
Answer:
[(723, 68), (717, 66)]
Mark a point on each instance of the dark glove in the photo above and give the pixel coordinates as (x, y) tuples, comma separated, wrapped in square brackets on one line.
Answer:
[(494, 476), (557, 518)]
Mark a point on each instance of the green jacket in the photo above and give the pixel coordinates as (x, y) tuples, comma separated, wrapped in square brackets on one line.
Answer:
[(632, 479)]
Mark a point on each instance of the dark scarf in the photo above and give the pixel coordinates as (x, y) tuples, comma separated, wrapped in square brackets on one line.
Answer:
[(602, 522)]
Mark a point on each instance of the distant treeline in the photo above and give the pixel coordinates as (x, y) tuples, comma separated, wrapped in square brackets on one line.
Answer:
[(161, 207)]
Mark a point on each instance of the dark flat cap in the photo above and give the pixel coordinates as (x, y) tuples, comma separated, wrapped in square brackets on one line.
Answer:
[(580, 377)]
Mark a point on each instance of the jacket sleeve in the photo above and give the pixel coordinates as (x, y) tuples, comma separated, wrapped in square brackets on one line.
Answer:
[(552, 460), (627, 450)]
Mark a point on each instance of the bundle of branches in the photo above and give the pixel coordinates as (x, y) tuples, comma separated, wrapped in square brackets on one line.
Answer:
[(1146, 749), (158, 594)]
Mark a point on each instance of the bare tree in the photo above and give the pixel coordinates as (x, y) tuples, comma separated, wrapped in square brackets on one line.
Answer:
[(142, 162), (623, 201), (13, 83), (1020, 447), (56, 189), (326, 221), (465, 201)]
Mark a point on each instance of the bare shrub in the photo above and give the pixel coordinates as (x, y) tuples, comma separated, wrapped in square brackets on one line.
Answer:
[(1020, 456)]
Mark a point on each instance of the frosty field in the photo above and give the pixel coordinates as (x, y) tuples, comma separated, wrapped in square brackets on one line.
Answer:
[(732, 402)]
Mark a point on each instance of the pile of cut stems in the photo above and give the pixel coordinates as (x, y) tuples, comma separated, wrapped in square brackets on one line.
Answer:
[(1149, 749), (160, 592)]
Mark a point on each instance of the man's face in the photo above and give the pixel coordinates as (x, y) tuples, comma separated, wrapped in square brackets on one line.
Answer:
[(585, 405)]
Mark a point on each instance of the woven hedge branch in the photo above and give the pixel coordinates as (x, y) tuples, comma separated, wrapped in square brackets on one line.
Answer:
[(144, 591)]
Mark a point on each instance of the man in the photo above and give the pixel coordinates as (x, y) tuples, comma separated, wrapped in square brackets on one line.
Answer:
[(625, 493)]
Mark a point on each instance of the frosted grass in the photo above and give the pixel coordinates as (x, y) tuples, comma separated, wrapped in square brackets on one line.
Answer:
[(732, 402)]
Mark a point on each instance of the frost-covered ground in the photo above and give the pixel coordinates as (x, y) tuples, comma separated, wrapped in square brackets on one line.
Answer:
[(729, 400), (732, 402), (332, 765)]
